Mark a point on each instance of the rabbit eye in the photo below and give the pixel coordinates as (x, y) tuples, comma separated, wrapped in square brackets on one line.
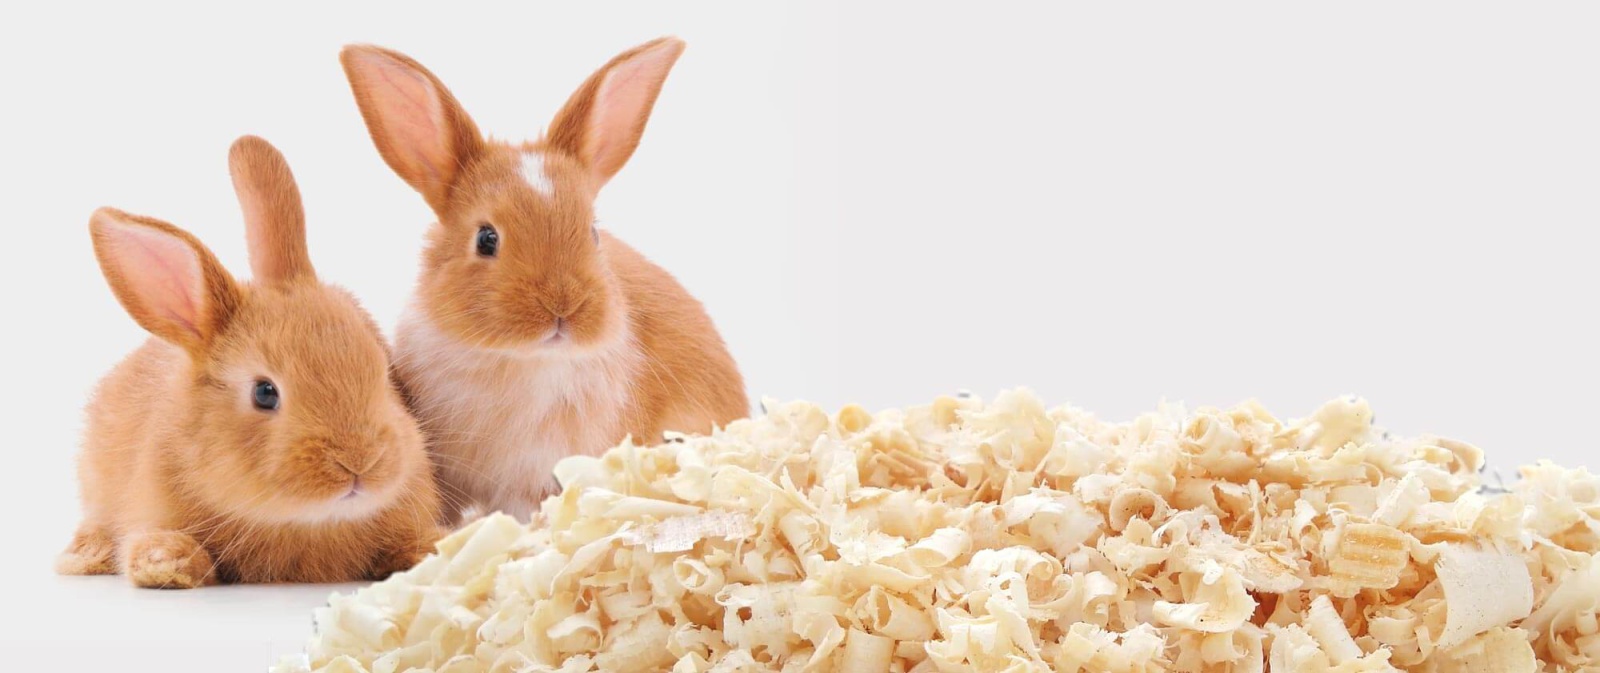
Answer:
[(488, 241), (265, 395)]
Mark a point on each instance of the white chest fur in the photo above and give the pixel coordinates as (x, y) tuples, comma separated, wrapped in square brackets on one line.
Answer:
[(498, 421)]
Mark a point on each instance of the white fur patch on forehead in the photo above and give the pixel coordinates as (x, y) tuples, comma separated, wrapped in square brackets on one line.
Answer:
[(533, 172)]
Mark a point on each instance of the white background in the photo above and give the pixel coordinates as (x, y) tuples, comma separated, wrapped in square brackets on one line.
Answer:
[(1113, 205)]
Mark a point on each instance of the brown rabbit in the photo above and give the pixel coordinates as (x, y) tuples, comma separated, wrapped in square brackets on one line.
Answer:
[(258, 436), (533, 335)]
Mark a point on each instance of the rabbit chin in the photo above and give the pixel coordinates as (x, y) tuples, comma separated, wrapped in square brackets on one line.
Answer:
[(346, 506)]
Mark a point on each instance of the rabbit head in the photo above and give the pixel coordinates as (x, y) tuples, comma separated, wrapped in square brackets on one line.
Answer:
[(515, 261), (289, 410)]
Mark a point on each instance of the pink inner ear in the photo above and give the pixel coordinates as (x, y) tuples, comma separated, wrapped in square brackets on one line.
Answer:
[(410, 113), (622, 105), (160, 271)]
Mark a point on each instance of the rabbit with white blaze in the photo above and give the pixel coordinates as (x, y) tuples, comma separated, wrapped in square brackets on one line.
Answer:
[(533, 335)]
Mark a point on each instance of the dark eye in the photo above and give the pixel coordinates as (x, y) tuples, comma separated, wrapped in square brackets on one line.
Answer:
[(488, 241), (265, 395)]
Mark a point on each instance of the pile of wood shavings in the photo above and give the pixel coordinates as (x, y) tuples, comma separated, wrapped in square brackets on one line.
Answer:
[(963, 536)]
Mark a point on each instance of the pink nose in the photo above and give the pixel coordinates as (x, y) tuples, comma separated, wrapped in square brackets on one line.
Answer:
[(356, 465), (561, 306), (355, 489)]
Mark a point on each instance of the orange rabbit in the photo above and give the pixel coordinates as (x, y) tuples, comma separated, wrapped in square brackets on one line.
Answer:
[(258, 437), (533, 335)]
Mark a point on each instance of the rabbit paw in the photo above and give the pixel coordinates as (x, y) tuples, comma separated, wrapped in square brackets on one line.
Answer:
[(398, 560), (92, 552), (168, 560)]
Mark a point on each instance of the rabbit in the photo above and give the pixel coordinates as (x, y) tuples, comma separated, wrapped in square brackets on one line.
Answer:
[(258, 436), (532, 334)]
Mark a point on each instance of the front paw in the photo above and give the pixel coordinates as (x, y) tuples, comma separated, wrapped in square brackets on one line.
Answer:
[(401, 559), (168, 560), (93, 552)]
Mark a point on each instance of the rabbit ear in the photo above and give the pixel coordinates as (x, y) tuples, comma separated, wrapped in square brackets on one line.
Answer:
[(418, 126), (166, 279), (602, 122), (274, 219)]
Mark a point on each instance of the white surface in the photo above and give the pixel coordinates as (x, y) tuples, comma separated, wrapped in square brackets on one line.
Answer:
[(103, 623), (878, 204)]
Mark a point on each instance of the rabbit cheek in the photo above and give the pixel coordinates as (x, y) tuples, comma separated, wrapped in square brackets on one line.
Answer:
[(464, 305)]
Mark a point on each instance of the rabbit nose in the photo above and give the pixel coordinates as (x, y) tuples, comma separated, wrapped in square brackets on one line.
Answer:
[(355, 468), (560, 309)]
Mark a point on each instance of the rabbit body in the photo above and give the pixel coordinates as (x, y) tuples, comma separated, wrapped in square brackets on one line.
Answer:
[(533, 334), (499, 420), (258, 436)]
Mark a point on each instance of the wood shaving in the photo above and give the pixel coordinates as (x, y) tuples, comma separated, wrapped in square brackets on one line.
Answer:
[(965, 536)]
